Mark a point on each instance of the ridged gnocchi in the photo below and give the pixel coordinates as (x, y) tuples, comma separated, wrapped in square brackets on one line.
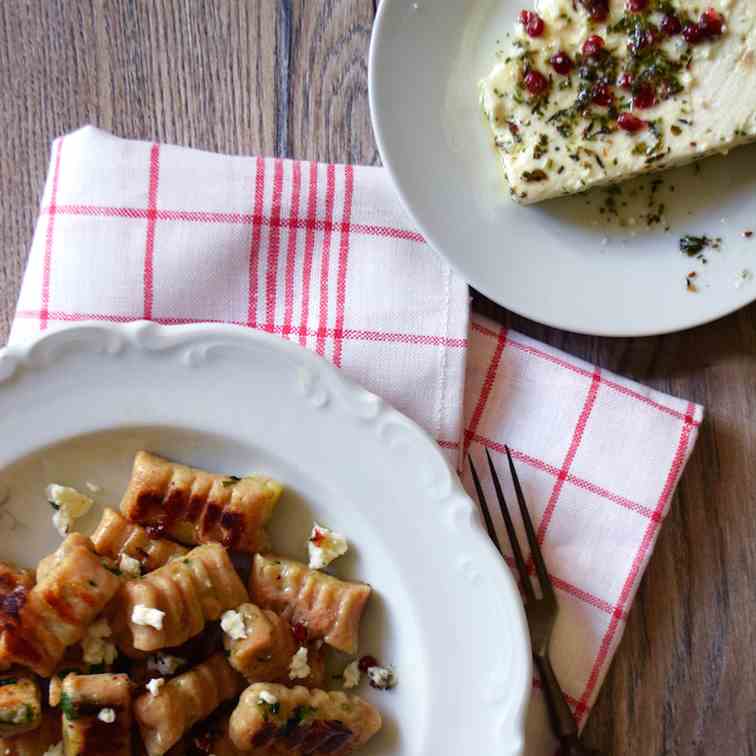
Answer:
[(183, 701), (328, 607), (116, 536), (73, 588), (187, 592), (96, 715), (194, 506), (301, 721)]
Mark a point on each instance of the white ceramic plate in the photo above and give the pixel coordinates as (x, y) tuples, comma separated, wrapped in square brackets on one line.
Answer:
[(78, 403), (558, 263)]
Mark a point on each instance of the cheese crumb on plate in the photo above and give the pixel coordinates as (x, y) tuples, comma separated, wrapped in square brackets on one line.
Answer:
[(324, 546)]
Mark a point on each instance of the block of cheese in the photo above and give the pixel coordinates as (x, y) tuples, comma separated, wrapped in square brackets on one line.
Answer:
[(597, 91)]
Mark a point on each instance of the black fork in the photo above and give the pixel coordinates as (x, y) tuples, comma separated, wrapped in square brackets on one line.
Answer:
[(541, 611)]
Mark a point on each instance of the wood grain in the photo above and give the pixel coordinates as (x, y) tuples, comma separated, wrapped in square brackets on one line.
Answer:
[(289, 77)]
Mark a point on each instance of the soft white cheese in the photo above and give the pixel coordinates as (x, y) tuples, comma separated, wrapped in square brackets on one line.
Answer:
[(351, 674), (55, 750), (382, 677), (154, 685), (69, 505), (548, 149), (267, 697), (324, 546), (130, 567), (165, 664), (106, 715), (147, 617), (299, 668), (232, 624), (95, 646)]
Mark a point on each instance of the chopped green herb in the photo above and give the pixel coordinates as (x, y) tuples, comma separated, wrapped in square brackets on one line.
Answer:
[(693, 245), (231, 481), (69, 708), (8, 681)]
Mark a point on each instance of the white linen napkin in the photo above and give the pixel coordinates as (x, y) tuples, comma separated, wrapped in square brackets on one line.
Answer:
[(324, 255)]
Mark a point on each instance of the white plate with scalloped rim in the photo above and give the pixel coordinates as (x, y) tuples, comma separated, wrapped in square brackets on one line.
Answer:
[(78, 403), (558, 262)]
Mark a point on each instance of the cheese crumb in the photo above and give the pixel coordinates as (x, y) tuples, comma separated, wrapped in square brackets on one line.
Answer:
[(68, 504), (351, 674), (324, 546), (382, 678), (267, 697), (232, 624), (743, 277), (98, 650), (165, 664), (107, 715), (299, 668), (130, 567), (147, 617), (93, 487), (154, 685), (55, 750)]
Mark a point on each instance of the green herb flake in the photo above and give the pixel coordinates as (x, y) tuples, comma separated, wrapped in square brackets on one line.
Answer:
[(69, 708), (232, 480), (8, 681)]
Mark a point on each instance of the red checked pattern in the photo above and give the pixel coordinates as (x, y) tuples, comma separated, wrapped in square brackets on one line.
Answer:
[(324, 255)]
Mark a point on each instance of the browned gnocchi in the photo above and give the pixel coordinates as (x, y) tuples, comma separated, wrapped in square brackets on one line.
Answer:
[(96, 715), (173, 603), (329, 608), (73, 589), (163, 717), (115, 537), (194, 506), (301, 721)]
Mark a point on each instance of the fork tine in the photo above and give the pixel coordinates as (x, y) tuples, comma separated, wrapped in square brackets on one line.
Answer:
[(522, 567), (484, 506), (535, 550)]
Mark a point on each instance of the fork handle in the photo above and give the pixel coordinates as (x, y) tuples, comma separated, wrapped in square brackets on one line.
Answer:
[(562, 721), (571, 746)]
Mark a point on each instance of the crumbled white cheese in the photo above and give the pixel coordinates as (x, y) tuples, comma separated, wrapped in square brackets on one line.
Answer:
[(154, 685), (324, 546), (93, 487), (267, 697), (55, 750), (130, 567), (62, 522), (382, 677), (98, 650), (351, 674), (743, 277), (165, 664), (299, 668), (106, 715), (69, 505), (232, 624), (147, 617)]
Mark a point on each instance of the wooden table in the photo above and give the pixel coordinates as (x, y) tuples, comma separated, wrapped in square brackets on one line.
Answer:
[(289, 77)]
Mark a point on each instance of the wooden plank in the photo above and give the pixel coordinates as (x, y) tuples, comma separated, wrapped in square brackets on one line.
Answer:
[(329, 116)]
